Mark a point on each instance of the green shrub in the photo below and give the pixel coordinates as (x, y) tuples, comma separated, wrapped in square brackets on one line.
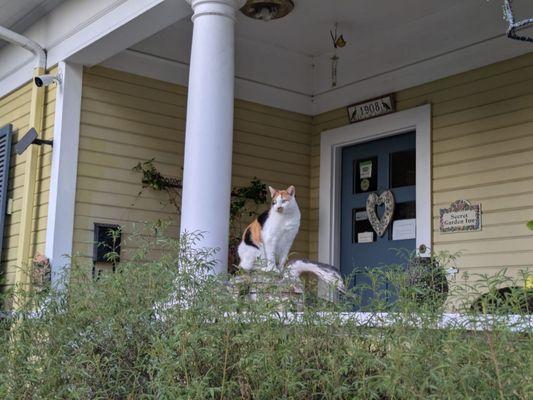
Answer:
[(118, 337)]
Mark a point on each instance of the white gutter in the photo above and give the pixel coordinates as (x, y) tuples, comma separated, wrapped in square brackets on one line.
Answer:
[(28, 44)]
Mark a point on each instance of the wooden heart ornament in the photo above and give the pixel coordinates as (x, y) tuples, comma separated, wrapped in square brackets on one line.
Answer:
[(372, 202)]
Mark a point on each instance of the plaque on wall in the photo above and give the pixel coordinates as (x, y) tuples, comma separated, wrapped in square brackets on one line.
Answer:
[(371, 108), (460, 217)]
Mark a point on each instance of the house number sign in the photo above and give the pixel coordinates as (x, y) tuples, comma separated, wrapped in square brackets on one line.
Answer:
[(371, 108), (460, 217)]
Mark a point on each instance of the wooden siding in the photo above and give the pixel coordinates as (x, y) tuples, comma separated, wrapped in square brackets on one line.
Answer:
[(15, 109), (127, 118), (482, 146)]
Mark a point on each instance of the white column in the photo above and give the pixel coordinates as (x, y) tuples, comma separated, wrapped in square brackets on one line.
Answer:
[(209, 129), (61, 203)]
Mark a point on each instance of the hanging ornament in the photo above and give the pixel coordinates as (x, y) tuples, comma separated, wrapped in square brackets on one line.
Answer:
[(334, 60), (515, 26), (338, 42)]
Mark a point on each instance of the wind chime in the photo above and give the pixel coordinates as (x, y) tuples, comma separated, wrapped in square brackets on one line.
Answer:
[(515, 26), (338, 42)]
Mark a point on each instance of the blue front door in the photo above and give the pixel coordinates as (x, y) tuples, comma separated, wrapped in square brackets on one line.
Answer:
[(373, 167)]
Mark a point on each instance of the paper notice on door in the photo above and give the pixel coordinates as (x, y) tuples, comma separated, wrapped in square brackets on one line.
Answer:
[(404, 229), (361, 216), (365, 169), (365, 237)]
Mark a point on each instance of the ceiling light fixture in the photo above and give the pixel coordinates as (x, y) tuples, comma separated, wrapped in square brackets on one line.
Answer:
[(267, 10)]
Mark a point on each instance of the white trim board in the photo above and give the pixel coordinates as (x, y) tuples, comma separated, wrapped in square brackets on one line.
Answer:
[(61, 204), (331, 144)]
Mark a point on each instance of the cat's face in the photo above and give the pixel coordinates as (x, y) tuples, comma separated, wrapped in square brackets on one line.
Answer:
[(282, 200)]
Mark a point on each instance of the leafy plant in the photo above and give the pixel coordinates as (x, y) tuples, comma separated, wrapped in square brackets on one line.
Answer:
[(256, 193), (112, 250), (425, 279), (154, 180), (163, 328), (246, 204), (530, 225)]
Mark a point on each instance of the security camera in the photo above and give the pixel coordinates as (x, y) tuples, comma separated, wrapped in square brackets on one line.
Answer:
[(46, 80)]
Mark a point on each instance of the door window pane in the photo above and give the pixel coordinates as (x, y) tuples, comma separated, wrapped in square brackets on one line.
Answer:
[(403, 168), (405, 210)]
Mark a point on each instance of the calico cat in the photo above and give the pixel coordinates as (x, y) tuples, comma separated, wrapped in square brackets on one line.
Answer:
[(266, 242)]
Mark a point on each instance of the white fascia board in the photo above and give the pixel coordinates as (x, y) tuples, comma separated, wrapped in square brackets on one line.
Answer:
[(88, 31)]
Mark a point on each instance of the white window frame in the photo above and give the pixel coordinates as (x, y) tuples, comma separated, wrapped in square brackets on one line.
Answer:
[(331, 144)]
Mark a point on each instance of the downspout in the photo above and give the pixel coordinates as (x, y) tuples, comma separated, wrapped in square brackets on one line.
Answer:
[(23, 273)]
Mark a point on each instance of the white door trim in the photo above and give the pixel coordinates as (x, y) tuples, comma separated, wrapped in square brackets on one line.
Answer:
[(331, 144)]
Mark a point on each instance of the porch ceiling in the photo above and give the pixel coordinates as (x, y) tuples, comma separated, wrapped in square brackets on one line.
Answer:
[(18, 15), (387, 42)]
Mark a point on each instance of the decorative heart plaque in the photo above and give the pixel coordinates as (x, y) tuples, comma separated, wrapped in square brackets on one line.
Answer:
[(372, 202)]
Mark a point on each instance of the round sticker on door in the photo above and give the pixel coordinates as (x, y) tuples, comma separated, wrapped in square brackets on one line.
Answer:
[(365, 184)]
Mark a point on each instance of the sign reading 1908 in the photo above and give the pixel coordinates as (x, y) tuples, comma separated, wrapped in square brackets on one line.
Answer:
[(371, 108)]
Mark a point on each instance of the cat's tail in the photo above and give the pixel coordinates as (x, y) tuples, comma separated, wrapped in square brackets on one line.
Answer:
[(323, 272)]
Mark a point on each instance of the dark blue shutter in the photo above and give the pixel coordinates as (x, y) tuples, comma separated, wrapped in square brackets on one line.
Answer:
[(5, 154)]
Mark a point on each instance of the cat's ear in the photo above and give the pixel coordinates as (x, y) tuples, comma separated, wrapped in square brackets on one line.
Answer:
[(272, 191), (291, 190)]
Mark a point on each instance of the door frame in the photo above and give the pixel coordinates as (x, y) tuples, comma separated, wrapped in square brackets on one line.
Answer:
[(331, 144)]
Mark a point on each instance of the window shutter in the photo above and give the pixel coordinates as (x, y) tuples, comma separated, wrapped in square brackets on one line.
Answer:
[(5, 154)]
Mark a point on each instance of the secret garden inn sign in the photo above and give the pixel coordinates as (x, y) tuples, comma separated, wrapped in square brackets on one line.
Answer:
[(460, 217)]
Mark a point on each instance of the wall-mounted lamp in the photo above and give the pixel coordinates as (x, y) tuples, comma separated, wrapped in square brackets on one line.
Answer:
[(28, 139)]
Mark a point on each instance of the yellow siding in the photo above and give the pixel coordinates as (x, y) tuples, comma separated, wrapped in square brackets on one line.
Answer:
[(482, 139), (126, 119), (15, 109)]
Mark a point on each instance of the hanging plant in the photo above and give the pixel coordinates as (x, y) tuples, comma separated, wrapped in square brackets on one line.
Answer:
[(154, 180)]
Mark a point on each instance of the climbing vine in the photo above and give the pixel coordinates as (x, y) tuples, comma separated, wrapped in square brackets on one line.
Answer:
[(246, 204), (246, 201), (154, 180)]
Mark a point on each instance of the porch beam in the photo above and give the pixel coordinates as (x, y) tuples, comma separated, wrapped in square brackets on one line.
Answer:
[(209, 126), (61, 203)]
